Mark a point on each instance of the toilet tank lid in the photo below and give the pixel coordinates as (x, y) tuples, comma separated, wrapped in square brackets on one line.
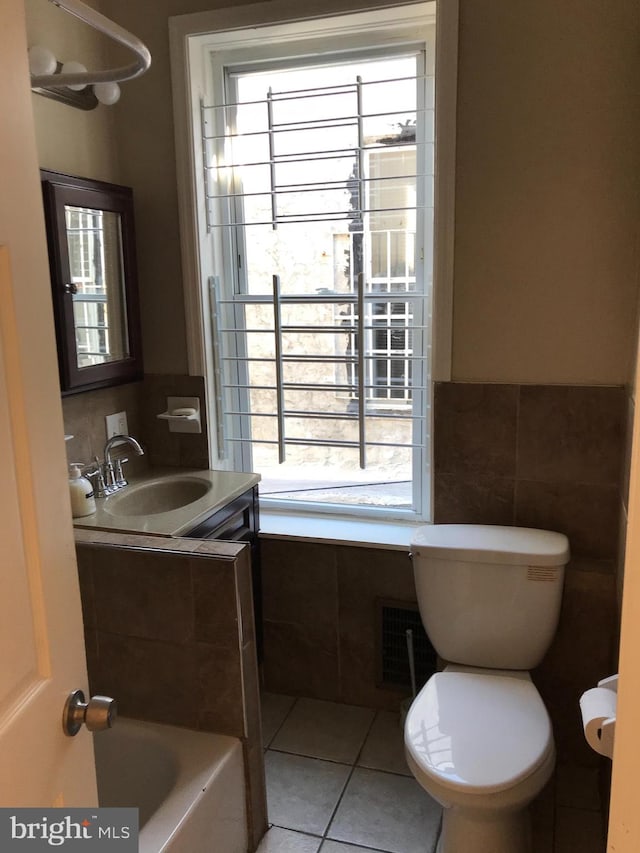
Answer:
[(488, 543)]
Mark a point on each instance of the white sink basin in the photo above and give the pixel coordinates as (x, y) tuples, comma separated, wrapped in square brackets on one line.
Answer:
[(156, 496)]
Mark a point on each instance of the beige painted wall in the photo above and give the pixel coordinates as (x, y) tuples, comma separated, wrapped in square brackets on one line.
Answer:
[(71, 140), (546, 199), (547, 191)]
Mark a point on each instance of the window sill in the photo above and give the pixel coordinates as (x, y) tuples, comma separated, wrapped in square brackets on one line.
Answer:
[(333, 530)]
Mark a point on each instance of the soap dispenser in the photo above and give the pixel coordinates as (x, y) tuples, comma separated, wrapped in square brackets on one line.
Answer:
[(81, 491)]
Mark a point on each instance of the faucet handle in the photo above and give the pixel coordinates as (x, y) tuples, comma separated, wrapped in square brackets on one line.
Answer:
[(120, 479), (100, 489), (109, 476)]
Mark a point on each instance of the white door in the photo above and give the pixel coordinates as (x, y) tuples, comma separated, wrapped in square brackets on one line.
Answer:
[(41, 640)]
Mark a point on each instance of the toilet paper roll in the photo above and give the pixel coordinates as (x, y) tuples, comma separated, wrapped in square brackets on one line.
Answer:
[(598, 709)]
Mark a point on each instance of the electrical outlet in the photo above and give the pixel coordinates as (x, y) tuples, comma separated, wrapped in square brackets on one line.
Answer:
[(116, 424)]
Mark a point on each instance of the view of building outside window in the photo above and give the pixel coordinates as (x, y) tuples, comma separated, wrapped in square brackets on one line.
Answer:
[(328, 194), (95, 264)]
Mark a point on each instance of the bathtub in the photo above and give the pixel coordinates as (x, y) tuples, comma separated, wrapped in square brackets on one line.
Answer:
[(188, 786)]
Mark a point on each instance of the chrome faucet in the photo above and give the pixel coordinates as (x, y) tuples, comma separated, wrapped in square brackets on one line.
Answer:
[(114, 478)]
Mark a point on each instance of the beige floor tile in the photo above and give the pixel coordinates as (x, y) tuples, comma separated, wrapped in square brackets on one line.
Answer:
[(387, 812), (384, 746), (274, 708), (279, 840), (382, 808), (302, 793), (325, 730)]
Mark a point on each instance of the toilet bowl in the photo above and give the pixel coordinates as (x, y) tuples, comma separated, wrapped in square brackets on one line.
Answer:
[(480, 743), (478, 737)]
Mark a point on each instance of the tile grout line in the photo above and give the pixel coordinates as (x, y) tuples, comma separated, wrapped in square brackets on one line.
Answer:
[(283, 721), (336, 807), (353, 844), (345, 764), (346, 784), (323, 837), (366, 737)]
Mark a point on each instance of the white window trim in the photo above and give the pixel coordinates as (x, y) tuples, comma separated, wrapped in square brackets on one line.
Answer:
[(186, 37)]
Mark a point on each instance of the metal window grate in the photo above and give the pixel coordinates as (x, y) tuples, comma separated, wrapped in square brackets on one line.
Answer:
[(320, 312), (272, 151), (370, 373), (393, 621)]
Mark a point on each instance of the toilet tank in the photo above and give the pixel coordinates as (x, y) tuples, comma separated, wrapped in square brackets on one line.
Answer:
[(489, 596)]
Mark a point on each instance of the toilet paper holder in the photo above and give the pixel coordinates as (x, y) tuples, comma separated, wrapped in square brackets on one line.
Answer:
[(598, 711)]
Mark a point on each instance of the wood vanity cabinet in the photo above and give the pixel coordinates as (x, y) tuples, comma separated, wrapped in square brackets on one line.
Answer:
[(239, 521)]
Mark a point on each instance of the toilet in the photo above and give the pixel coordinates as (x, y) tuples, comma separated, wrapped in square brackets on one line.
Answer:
[(478, 737)]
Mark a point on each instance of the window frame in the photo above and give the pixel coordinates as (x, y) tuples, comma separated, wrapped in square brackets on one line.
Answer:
[(197, 40)]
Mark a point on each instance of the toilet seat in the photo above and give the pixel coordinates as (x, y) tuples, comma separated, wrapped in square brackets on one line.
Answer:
[(478, 731)]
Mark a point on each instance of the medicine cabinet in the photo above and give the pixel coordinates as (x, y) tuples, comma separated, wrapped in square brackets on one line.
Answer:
[(91, 240)]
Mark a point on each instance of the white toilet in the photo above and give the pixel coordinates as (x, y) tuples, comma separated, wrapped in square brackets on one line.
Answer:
[(478, 737)]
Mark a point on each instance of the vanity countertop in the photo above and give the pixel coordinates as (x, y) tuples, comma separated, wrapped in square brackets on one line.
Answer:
[(225, 486)]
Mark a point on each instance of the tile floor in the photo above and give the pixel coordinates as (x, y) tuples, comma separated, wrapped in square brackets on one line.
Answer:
[(337, 782)]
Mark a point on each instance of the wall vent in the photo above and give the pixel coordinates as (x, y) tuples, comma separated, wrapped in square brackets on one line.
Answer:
[(394, 618)]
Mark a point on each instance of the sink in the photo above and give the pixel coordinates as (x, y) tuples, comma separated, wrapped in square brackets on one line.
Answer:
[(156, 496)]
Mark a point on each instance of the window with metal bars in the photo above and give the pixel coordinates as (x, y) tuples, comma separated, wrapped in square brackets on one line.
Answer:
[(319, 205)]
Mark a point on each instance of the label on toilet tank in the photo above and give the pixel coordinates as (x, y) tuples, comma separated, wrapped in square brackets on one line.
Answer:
[(542, 573)]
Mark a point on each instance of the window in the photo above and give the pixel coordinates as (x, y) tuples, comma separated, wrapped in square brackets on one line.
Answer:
[(316, 239)]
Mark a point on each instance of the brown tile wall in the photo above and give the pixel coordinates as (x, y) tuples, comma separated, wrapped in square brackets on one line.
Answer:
[(319, 618), (549, 457), (84, 416), (184, 450), (170, 633), (538, 456), (84, 419)]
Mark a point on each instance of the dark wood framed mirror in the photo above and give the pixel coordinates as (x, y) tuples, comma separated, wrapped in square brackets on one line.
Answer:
[(91, 239)]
